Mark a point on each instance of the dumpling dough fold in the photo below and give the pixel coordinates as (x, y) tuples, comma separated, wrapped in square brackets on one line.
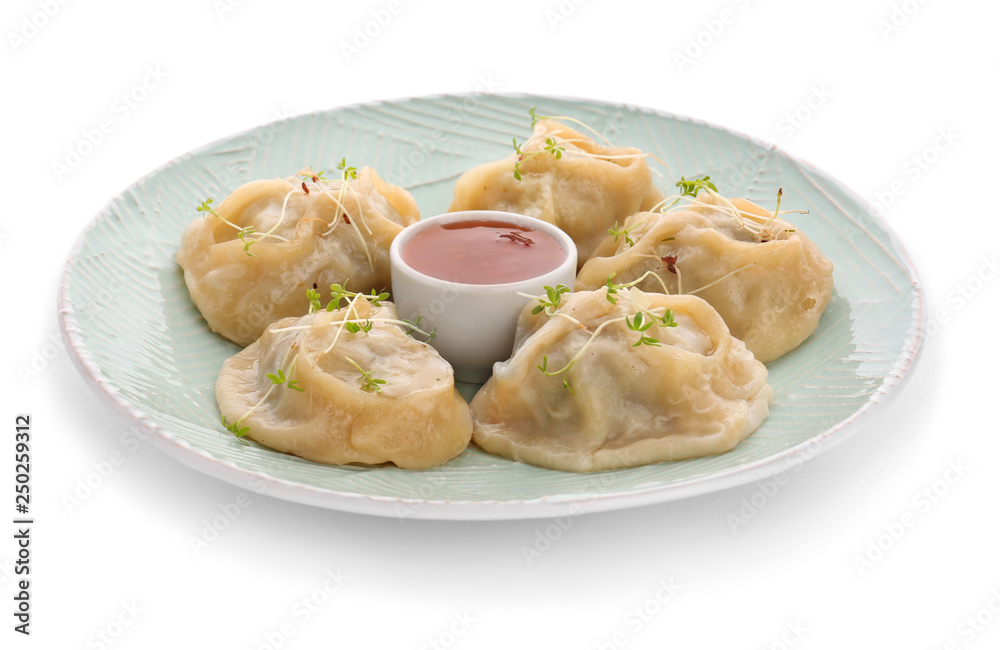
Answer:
[(584, 192), (767, 280), (240, 290), (697, 392), (416, 419)]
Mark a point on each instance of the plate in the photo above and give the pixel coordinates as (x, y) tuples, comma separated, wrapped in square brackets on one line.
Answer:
[(139, 341)]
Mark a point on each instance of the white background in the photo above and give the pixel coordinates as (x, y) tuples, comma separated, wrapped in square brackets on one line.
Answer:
[(790, 577)]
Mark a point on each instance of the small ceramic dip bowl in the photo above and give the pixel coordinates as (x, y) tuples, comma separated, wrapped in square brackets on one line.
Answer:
[(461, 273)]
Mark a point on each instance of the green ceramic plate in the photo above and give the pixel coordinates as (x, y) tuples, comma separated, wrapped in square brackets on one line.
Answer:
[(137, 338)]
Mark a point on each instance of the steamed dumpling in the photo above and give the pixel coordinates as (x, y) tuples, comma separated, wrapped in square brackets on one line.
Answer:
[(695, 391), (240, 290), (766, 279), (584, 192), (327, 410)]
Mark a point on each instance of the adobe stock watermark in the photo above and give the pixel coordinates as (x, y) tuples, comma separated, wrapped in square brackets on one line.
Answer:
[(111, 632), (544, 537), (6, 569), (40, 358), (711, 29), (794, 119), (102, 470), (366, 33), (34, 23), (304, 609), (223, 8), (976, 623), (460, 624), (921, 503), (228, 513), (457, 115), (613, 125), (470, 106), (790, 636), (768, 488), (785, 128), (121, 108), (559, 13), (641, 615), (964, 292), (899, 15), (915, 167), (427, 488)]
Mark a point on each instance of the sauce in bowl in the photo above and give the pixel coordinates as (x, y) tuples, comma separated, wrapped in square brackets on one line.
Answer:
[(482, 252), (464, 275)]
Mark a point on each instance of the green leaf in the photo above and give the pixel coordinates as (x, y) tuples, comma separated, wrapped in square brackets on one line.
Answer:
[(695, 185), (612, 289), (314, 300), (206, 206), (348, 172), (552, 298)]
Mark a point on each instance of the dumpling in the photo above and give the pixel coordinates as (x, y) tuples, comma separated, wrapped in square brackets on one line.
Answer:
[(766, 279), (250, 261), (565, 179), (635, 392), (313, 388)]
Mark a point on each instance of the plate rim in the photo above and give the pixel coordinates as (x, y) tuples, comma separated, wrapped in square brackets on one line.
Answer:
[(479, 510)]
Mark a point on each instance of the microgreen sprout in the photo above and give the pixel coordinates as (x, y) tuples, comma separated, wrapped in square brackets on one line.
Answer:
[(376, 299), (550, 301), (322, 184), (414, 326), (246, 244), (241, 232), (236, 430), (279, 378), (340, 292), (556, 148), (766, 233), (612, 290), (640, 321), (368, 383), (354, 328), (347, 172), (544, 367), (757, 225), (206, 206), (536, 118), (695, 185), (627, 232), (310, 175), (551, 146), (314, 300), (637, 324)]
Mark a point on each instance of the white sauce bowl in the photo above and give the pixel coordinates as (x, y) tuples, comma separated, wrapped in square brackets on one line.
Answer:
[(475, 322)]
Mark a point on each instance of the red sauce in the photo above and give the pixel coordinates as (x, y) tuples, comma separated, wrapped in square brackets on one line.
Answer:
[(482, 252)]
